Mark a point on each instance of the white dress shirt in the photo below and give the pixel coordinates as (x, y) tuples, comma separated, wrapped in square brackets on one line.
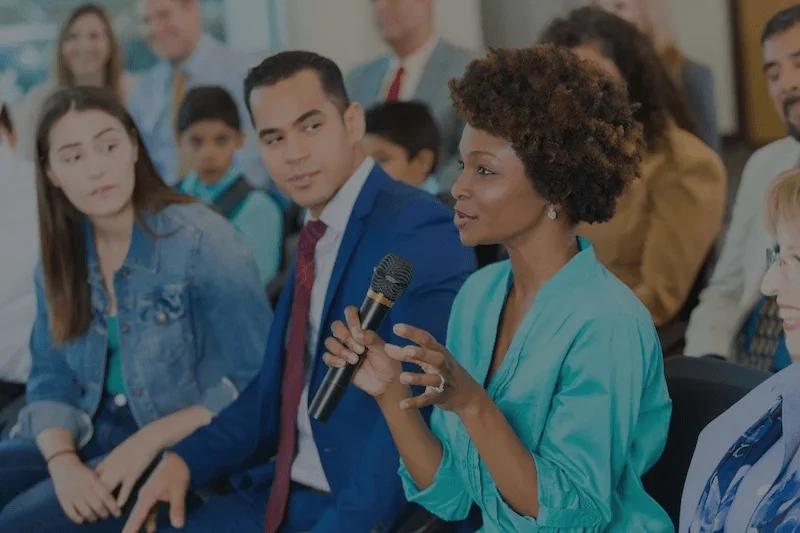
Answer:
[(19, 240), (307, 466), (414, 66)]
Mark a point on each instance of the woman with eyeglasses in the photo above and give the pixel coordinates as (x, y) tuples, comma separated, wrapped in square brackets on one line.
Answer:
[(745, 473)]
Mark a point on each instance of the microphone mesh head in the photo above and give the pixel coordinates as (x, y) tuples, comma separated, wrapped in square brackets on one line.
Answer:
[(392, 276)]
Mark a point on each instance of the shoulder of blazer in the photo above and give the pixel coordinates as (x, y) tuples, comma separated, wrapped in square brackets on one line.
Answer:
[(400, 207), (455, 55), (368, 68)]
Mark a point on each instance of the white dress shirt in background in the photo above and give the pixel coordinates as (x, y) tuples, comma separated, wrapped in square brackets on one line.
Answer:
[(19, 250)]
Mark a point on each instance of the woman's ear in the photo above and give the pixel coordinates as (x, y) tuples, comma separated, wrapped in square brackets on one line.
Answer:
[(52, 177)]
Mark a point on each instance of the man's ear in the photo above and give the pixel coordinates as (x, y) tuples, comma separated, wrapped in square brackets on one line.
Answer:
[(355, 122), (423, 161), (240, 140)]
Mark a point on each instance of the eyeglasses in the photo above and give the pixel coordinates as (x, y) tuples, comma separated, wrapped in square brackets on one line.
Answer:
[(788, 263), (772, 255)]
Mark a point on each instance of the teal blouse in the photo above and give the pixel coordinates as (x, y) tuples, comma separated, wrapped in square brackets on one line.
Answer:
[(259, 221), (583, 387)]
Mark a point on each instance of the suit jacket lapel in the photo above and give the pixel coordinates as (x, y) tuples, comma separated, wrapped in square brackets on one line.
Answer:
[(355, 229)]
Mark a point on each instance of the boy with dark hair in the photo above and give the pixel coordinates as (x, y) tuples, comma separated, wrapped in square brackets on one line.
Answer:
[(404, 139), (209, 133)]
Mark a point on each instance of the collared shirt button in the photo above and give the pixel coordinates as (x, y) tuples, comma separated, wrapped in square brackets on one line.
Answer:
[(126, 328), (137, 391)]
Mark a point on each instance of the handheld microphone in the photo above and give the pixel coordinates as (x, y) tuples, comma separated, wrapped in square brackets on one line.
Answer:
[(389, 280)]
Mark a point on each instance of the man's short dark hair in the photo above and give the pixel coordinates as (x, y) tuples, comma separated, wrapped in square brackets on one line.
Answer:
[(284, 65), (406, 124), (207, 103), (781, 21)]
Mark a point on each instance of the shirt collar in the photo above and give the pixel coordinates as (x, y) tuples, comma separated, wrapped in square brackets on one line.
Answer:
[(431, 185), (199, 58), (573, 273), (209, 192), (336, 214), (418, 59)]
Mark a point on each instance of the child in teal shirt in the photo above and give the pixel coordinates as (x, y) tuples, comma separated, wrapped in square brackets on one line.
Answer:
[(209, 134)]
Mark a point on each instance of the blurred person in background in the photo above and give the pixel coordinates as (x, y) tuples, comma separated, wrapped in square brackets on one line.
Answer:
[(403, 138), (733, 319), (150, 319), (418, 68), (745, 473), (666, 223), (652, 17), (188, 57), (210, 130), (87, 52), (19, 240)]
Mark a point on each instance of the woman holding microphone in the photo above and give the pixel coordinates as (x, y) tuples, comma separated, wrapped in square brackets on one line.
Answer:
[(549, 398)]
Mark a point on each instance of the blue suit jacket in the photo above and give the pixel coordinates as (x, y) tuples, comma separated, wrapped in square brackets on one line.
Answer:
[(356, 448)]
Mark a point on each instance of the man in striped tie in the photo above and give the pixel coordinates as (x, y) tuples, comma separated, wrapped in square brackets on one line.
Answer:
[(285, 471)]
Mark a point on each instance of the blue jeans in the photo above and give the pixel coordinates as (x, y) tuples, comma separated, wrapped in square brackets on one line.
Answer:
[(27, 499), (28, 503)]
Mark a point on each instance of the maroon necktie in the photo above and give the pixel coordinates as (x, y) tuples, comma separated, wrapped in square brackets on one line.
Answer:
[(394, 88), (293, 373)]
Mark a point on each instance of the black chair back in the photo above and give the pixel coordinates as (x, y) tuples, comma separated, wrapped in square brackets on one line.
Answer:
[(701, 389)]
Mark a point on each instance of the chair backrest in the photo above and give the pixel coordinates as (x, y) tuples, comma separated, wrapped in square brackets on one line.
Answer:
[(701, 389)]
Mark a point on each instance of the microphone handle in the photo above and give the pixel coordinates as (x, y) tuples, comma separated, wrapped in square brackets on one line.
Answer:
[(372, 312)]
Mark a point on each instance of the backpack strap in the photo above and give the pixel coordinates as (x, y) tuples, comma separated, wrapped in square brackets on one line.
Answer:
[(232, 198)]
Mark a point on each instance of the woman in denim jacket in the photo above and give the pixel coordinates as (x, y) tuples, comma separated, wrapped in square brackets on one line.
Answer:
[(151, 319)]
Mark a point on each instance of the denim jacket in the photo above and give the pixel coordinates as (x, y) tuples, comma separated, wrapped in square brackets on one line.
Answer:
[(193, 322)]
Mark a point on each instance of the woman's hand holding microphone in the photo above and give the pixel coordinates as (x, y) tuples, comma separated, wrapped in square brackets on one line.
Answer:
[(447, 384)]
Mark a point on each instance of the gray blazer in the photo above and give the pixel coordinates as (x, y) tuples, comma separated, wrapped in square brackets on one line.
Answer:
[(448, 61)]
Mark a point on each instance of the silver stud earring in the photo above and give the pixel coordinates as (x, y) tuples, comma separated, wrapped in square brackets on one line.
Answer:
[(552, 215)]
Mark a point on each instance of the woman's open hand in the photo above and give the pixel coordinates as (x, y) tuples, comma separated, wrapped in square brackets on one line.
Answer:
[(349, 344), (447, 384)]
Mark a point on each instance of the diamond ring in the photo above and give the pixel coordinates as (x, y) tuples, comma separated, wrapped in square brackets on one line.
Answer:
[(440, 388)]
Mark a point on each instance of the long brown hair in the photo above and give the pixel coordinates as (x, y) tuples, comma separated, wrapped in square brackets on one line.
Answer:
[(657, 24), (61, 225), (649, 84), (114, 67)]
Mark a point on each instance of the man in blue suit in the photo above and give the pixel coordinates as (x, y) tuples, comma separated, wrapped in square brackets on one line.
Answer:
[(339, 476)]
